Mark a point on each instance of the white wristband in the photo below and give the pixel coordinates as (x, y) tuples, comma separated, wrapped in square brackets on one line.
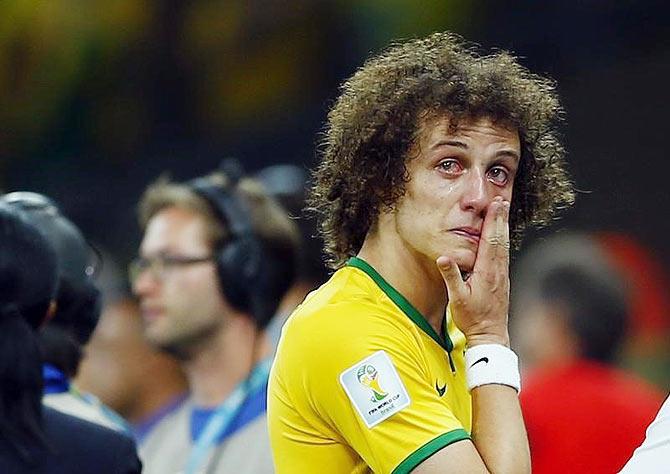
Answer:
[(492, 364)]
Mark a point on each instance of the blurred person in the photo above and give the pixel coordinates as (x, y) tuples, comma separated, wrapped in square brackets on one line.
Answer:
[(570, 318), (288, 184), (35, 438), (140, 383), (216, 258), (433, 156), (77, 310)]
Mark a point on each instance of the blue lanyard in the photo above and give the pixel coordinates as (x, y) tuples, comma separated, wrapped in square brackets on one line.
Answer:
[(225, 413)]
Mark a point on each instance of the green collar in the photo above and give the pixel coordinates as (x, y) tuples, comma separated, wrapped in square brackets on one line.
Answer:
[(402, 303)]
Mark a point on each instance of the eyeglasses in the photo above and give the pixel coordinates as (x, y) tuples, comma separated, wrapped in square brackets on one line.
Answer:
[(161, 265)]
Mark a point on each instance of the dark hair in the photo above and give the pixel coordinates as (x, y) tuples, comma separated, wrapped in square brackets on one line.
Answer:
[(570, 271), (288, 184), (374, 125), (77, 313), (28, 280), (78, 308), (595, 304)]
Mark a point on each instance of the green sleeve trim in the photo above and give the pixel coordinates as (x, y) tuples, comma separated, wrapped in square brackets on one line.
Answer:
[(428, 449)]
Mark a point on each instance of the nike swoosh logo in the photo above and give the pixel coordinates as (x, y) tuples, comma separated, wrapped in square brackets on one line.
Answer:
[(483, 359), (440, 390)]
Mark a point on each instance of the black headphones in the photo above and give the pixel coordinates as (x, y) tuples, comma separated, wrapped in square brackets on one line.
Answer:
[(239, 259)]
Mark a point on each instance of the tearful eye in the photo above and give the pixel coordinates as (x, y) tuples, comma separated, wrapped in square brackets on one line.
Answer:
[(498, 175), (450, 166)]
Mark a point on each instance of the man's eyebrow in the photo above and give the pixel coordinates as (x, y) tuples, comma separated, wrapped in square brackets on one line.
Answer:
[(511, 153), (459, 144), (455, 143)]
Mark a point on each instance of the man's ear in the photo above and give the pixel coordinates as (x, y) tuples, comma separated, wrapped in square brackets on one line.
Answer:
[(51, 311)]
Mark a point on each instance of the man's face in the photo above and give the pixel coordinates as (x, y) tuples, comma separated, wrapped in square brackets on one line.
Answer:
[(182, 304), (118, 362), (542, 333), (454, 175)]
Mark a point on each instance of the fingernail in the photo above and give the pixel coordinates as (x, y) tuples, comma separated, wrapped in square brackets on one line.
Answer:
[(442, 262)]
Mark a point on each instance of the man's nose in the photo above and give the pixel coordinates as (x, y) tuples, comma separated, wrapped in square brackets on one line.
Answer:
[(476, 196), (144, 282)]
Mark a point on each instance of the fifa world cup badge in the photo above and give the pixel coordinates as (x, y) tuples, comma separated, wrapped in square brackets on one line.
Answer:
[(375, 388)]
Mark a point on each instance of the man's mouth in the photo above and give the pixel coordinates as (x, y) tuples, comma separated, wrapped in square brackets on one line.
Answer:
[(151, 313), (469, 233)]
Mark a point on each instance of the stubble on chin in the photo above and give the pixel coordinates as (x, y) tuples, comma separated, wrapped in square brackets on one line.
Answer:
[(161, 340), (186, 345)]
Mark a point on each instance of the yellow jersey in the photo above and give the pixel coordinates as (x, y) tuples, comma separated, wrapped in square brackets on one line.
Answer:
[(362, 383)]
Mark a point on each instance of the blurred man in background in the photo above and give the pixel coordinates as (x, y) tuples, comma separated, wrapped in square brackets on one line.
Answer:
[(216, 259), (570, 318), (78, 304)]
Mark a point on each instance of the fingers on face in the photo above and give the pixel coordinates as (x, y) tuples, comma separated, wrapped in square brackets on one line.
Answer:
[(502, 230), (495, 245), (452, 277)]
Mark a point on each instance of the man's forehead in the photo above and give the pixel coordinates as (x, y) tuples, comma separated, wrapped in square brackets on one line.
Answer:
[(448, 125), (175, 227)]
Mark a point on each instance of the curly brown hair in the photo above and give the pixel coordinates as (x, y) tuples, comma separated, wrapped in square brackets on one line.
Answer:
[(377, 118)]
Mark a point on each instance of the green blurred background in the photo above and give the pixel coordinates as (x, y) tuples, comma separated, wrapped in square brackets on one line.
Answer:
[(97, 98)]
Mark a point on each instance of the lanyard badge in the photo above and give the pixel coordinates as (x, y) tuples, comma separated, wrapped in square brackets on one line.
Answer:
[(225, 413)]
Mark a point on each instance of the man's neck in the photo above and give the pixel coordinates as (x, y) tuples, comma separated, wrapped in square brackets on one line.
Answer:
[(416, 278), (164, 385), (223, 361)]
